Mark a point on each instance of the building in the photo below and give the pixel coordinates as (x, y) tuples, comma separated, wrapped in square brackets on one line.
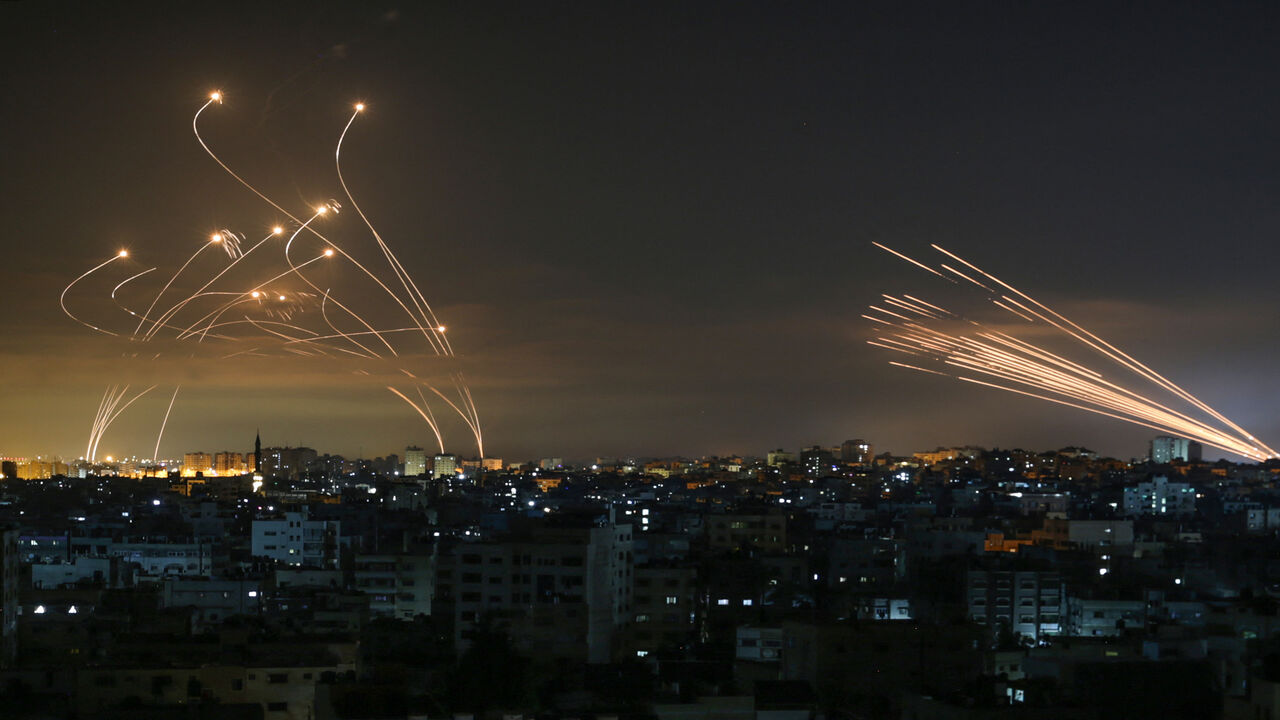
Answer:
[(856, 451), (1158, 496), (735, 531), (1027, 603), (230, 463), (197, 463), (398, 585), (294, 539), (444, 465), (415, 461), (562, 591), (1166, 449), (288, 462), (8, 596)]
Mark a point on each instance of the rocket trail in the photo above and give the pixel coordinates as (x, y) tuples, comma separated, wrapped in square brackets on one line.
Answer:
[(1033, 371)]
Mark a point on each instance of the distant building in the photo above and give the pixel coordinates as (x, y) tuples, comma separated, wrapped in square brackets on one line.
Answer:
[(856, 451), (197, 463), (415, 461), (288, 462), (444, 466), (230, 463), (1166, 449), (779, 457)]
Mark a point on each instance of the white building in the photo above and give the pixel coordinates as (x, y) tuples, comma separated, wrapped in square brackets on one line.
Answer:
[(1160, 497), (296, 540), (1165, 449)]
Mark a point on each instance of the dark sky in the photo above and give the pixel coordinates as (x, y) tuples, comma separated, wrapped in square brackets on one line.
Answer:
[(648, 226)]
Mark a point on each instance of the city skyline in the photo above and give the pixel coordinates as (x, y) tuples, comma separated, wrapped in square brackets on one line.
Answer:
[(651, 234)]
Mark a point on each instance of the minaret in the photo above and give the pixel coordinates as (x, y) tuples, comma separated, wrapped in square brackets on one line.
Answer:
[(257, 453)]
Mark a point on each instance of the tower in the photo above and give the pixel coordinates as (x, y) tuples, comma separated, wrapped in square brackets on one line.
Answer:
[(257, 453)]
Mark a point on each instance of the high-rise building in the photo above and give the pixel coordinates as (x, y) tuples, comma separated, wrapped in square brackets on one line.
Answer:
[(444, 466), (856, 451), (415, 461), (1166, 449)]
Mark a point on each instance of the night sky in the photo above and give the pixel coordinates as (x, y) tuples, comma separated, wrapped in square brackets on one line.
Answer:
[(648, 227)]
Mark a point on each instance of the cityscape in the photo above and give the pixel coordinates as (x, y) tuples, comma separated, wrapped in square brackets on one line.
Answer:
[(661, 361)]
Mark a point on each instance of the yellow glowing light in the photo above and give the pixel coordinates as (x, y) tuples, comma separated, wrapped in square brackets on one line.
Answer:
[(257, 294), (440, 328), (215, 96), (277, 230), (110, 459), (123, 253), (328, 252), (322, 210), (215, 238), (359, 107), (281, 298)]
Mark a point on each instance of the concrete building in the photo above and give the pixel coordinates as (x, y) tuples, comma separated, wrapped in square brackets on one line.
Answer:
[(444, 465), (296, 540), (415, 461), (561, 591), (1166, 449), (1158, 496), (1027, 603), (399, 585)]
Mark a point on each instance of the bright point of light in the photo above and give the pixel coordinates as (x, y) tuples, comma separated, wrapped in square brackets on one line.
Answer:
[(328, 252), (39, 609), (281, 298), (123, 253), (72, 610), (359, 107), (440, 328), (1102, 571), (253, 593), (322, 210), (257, 294), (277, 230), (215, 96), (109, 458), (155, 502)]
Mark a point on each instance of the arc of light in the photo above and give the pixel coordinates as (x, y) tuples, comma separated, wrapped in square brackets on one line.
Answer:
[(113, 414), (1093, 410), (434, 337), (297, 270), (62, 299), (429, 420), (435, 427), (917, 263), (200, 291), (156, 299), (196, 129), (155, 454), (986, 359), (1114, 353), (97, 418), (346, 336), (1029, 373), (914, 367)]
